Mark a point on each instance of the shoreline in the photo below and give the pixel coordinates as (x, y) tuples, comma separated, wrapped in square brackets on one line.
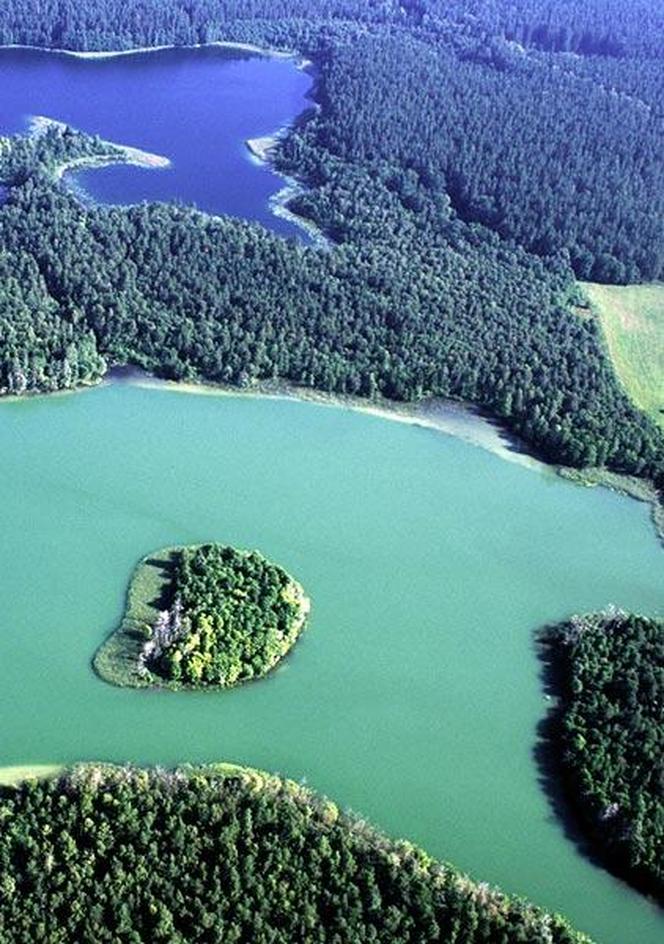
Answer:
[(117, 660), (457, 418), (253, 48), (451, 417), (260, 152), (259, 147), (13, 774), (118, 153), (560, 775)]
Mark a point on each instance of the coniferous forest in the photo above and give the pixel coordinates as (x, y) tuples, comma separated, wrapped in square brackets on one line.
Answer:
[(608, 732), (468, 162), (104, 854), (466, 166), (412, 302)]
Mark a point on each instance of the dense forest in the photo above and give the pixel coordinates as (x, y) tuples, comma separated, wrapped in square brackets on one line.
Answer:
[(229, 616), (558, 156), (586, 27), (463, 177), (555, 151), (608, 670), (413, 302), (127, 856)]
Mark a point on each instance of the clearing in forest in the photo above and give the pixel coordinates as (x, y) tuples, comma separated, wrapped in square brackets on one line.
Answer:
[(632, 319)]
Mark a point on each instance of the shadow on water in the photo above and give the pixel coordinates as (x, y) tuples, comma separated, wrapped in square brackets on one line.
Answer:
[(166, 570), (551, 775)]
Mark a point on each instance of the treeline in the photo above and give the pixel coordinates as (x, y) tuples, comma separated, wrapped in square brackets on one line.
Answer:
[(412, 303), (609, 735), (122, 24), (411, 172), (196, 856), (230, 617), (584, 27), (556, 157)]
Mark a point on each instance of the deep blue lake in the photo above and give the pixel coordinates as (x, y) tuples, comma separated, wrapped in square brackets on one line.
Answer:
[(196, 107)]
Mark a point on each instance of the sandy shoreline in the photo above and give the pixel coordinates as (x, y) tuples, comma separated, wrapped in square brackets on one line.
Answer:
[(451, 417), (251, 48), (14, 774), (455, 418), (260, 151), (259, 148), (118, 153)]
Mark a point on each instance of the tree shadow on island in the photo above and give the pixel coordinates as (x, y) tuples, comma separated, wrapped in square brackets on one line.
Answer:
[(563, 800), (166, 569)]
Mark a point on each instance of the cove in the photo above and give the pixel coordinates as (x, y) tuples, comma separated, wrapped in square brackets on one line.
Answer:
[(198, 107), (414, 697)]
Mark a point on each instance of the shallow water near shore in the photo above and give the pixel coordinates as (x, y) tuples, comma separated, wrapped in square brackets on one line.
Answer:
[(413, 697), (197, 107)]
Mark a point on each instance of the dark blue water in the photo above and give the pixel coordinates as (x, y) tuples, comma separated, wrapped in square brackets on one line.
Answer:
[(195, 106)]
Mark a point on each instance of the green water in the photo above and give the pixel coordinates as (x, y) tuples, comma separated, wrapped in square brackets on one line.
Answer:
[(413, 698)]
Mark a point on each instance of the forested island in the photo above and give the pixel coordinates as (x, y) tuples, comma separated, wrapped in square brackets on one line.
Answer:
[(459, 230), (124, 855), (205, 616), (607, 732)]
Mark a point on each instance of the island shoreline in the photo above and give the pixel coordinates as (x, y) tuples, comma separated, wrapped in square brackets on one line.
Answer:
[(116, 661)]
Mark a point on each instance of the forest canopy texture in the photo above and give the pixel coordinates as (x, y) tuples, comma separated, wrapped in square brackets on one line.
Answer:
[(609, 735), (466, 163), (199, 856), (229, 616)]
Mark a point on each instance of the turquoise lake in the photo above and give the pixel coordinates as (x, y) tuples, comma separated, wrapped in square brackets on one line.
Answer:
[(413, 698)]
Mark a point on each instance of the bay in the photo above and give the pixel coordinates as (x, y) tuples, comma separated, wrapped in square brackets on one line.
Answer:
[(197, 107)]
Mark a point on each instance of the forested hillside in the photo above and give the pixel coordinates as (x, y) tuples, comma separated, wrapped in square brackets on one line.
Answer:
[(555, 151), (462, 177), (412, 303), (609, 735), (126, 856)]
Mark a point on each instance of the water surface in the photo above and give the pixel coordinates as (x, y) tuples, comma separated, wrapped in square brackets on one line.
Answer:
[(413, 698), (195, 106)]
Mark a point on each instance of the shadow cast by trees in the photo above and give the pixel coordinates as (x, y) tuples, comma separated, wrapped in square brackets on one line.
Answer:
[(563, 798), (166, 569)]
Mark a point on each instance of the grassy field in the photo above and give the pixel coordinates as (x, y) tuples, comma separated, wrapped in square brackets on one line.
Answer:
[(13, 775), (116, 660), (632, 318)]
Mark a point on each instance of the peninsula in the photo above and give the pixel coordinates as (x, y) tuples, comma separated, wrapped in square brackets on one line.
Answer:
[(230, 853), (607, 736)]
